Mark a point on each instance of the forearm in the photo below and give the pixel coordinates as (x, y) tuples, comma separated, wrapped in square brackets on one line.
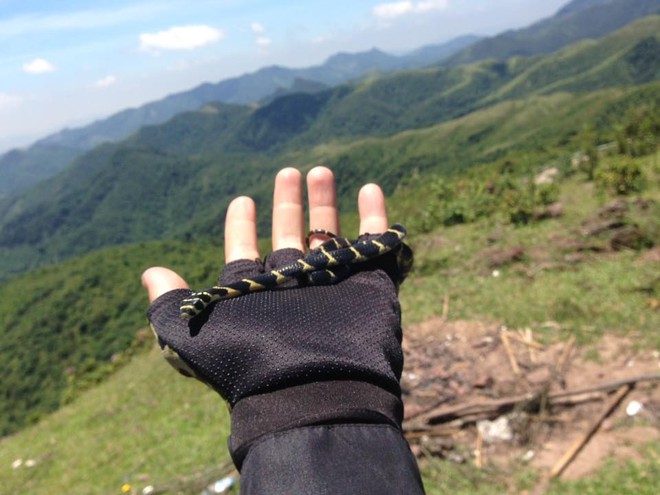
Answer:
[(329, 437), (335, 459)]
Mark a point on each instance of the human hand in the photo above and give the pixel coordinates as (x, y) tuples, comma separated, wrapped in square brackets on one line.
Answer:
[(288, 228), (299, 355)]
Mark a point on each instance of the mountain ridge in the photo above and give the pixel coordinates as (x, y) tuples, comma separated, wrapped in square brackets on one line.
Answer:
[(21, 172), (577, 20), (200, 159)]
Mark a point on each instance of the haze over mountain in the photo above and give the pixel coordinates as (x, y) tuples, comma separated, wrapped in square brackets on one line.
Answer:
[(198, 160), (579, 19), (159, 195), (23, 168)]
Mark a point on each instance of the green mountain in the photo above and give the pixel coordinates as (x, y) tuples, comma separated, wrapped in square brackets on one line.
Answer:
[(198, 160), (64, 327), (578, 20), (21, 169), (127, 205)]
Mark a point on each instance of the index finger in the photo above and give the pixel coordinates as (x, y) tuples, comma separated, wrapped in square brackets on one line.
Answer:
[(241, 230)]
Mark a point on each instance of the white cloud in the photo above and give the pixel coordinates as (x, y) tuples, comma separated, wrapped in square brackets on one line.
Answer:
[(398, 9), (260, 39), (180, 38), (9, 101), (38, 66), (105, 82), (427, 5), (389, 10)]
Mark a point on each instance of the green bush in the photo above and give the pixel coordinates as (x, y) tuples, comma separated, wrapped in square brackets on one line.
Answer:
[(621, 176)]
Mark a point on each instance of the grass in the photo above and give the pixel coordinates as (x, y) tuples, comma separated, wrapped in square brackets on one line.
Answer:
[(144, 426), (616, 477), (604, 292), (147, 426)]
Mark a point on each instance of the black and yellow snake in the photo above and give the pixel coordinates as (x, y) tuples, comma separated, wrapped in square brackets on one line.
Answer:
[(336, 252)]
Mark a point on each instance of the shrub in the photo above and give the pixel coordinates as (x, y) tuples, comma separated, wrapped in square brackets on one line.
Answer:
[(622, 176)]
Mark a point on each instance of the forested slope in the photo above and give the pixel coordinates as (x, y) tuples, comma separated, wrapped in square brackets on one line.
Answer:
[(198, 160)]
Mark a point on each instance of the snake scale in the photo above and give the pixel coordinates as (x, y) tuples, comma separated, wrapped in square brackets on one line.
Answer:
[(316, 264)]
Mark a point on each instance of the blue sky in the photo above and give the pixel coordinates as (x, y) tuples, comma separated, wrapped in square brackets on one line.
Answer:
[(66, 63)]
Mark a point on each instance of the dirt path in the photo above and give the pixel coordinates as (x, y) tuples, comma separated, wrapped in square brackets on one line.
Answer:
[(452, 364)]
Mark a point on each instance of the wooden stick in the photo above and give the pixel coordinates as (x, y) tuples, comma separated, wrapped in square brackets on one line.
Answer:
[(504, 404), (445, 307), (560, 368), (528, 340), (524, 340), (504, 335), (478, 459), (579, 444)]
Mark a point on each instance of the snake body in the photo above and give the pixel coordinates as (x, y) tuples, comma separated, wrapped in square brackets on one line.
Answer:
[(319, 265)]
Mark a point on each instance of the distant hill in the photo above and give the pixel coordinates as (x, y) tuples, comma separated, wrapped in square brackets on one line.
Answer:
[(578, 20), (433, 54), (198, 160), (21, 169), (59, 323)]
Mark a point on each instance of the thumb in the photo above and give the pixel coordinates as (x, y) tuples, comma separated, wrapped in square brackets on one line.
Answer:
[(158, 280)]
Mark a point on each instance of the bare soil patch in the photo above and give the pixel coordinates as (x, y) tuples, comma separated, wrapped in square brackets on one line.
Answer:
[(477, 393)]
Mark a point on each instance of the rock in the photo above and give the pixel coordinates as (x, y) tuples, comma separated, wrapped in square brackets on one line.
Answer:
[(498, 430), (503, 256), (483, 381), (628, 237), (597, 226), (548, 176), (615, 208), (553, 210)]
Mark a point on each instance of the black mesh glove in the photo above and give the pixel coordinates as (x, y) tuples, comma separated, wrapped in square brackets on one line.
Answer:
[(297, 355)]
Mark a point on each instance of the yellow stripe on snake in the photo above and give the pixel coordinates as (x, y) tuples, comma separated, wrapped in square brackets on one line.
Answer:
[(317, 265)]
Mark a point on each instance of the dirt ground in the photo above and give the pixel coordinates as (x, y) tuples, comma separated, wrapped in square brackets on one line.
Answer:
[(458, 376)]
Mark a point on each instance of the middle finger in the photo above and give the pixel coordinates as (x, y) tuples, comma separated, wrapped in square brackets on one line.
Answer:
[(288, 213), (323, 212)]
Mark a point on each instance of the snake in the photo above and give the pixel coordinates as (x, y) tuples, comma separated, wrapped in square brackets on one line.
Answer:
[(321, 265)]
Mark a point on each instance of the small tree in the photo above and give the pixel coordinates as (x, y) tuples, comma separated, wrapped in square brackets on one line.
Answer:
[(622, 177)]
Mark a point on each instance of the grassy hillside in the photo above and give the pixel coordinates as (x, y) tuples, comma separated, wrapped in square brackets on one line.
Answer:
[(68, 318), (579, 20), (144, 426), (65, 327), (457, 156), (592, 64), (85, 310), (107, 197), (60, 149), (148, 426)]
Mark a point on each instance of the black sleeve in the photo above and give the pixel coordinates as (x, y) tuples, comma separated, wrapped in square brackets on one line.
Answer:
[(329, 437), (364, 459)]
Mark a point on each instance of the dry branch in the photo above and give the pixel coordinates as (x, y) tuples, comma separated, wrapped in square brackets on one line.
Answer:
[(504, 335), (579, 444), (488, 409)]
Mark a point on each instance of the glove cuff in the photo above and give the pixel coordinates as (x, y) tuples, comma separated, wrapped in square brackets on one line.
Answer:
[(317, 403)]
